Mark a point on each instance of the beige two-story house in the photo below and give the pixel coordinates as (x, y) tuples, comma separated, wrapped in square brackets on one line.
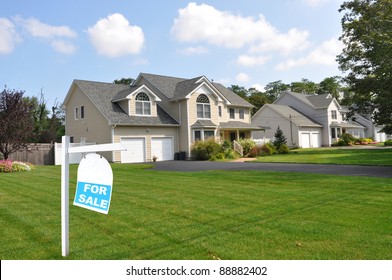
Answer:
[(156, 116)]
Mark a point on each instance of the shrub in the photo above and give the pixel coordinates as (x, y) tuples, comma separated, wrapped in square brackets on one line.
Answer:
[(205, 150), (388, 143), (20, 166), (346, 139), (247, 145), (8, 166), (283, 149), (5, 166), (262, 150)]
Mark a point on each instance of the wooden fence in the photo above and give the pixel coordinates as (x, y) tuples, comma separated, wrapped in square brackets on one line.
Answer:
[(37, 154)]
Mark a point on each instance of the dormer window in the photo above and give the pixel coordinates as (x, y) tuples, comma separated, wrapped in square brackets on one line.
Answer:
[(203, 107), (143, 104)]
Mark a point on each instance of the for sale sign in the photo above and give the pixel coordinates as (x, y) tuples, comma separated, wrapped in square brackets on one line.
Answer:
[(94, 186)]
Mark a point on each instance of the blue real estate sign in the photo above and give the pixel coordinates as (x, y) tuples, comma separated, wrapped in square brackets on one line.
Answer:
[(94, 186)]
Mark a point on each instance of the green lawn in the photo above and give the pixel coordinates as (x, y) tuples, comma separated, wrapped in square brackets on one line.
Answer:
[(355, 156), (201, 215)]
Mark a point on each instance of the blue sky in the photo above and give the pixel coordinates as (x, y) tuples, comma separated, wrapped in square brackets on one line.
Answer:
[(44, 45)]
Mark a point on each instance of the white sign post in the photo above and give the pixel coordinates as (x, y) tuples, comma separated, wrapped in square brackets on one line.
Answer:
[(100, 188)]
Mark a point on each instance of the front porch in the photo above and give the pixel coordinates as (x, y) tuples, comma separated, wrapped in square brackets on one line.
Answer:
[(337, 129), (234, 131)]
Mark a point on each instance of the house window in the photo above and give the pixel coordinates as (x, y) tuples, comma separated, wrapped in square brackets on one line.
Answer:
[(208, 134), (76, 113), (333, 132), (334, 114), (220, 111), (203, 107), (241, 113), (203, 134), (197, 135), (82, 112), (232, 113), (143, 104)]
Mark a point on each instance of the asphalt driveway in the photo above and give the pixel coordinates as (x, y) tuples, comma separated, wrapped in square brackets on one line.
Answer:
[(348, 170)]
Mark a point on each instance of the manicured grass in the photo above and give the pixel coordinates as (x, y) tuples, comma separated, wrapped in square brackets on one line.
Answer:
[(354, 156), (201, 215)]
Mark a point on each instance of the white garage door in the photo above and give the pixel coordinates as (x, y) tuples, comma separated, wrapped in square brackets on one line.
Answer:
[(162, 147), (136, 150), (305, 140), (316, 143)]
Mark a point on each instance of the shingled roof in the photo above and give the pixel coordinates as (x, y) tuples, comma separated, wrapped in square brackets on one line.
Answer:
[(102, 94), (177, 88), (293, 115)]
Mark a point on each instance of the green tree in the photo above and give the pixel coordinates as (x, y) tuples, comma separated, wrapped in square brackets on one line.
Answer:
[(279, 139), (48, 124), (304, 86), (125, 81), (257, 99), (241, 91), (274, 89), (367, 57), (331, 85), (16, 122)]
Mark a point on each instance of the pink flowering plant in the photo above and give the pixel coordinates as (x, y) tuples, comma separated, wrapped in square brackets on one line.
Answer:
[(5, 166), (8, 166)]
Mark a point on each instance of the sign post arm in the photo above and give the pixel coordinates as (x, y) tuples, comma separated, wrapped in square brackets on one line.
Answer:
[(65, 196)]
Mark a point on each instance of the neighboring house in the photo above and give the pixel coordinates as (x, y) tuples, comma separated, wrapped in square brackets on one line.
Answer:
[(297, 128), (155, 116), (323, 110), (371, 129)]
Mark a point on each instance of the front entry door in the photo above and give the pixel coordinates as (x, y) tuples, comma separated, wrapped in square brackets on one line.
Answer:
[(232, 136)]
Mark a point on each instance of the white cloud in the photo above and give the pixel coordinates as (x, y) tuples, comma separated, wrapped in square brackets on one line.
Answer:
[(249, 61), (113, 36), (63, 46), (54, 35), (259, 87), (325, 54), (242, 77), (38, 29), (193, 50), (294, 40), (204, 23), (8, 36)]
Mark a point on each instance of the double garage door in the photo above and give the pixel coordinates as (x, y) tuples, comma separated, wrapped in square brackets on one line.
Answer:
[(161, 147), (310, 140)]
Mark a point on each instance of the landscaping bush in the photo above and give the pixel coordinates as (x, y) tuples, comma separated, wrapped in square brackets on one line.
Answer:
[(283, 149), (8, 166), (262, 150), (5, 166), (388, 143), (348, 139), (204, 150), (247, 145)]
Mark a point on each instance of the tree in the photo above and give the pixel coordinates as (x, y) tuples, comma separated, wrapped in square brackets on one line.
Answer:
[(48, 124), (241, 91), (304, 86), (257, 99), (273, 89), (16, 122), (279, 139), (367, 57), (125, 81), (332, 86)]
